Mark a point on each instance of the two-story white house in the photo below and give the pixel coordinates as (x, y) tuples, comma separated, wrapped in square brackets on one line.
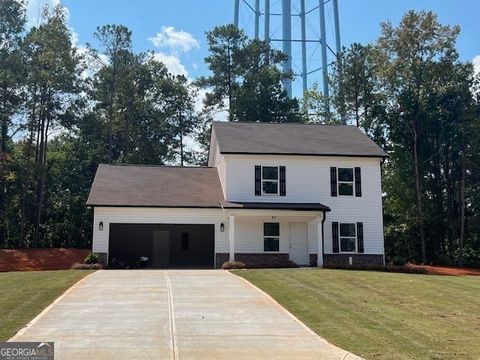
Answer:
[(270, 193)]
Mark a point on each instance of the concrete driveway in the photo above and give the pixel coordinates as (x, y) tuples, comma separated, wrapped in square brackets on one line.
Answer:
[(173, 314)]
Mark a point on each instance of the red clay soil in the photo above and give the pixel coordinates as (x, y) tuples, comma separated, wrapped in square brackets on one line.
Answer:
[(40, 259), (445, 270)]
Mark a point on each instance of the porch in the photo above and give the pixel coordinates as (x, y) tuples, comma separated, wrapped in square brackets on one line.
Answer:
[(272, 237)]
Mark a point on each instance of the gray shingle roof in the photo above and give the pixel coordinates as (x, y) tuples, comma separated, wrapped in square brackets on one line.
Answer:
[(156, 186), (294, 139), (170, 186)]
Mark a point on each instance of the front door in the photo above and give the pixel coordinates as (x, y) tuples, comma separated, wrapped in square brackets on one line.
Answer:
[(161, 249), (298, 243)]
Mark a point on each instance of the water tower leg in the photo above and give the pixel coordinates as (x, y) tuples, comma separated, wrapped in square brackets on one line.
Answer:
[(257, 18), (236, 12), (337, 27), (323, 35), (304, 45), (267, 21), (287, 41)]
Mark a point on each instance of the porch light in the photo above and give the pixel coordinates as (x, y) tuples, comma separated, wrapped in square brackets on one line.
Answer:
[(100, 226), (222, 227)]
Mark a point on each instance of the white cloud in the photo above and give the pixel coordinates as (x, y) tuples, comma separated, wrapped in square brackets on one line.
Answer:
[(175, 40), (35, 9), (173, 63), (476, 64)]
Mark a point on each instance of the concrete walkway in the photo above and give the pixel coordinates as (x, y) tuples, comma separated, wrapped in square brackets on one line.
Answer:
[(173, 314)]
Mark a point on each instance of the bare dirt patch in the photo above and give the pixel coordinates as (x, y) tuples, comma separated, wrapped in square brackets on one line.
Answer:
[(445, 270), (40, 259)]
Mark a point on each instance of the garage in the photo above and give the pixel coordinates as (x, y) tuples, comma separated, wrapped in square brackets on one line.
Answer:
[(161, 245)]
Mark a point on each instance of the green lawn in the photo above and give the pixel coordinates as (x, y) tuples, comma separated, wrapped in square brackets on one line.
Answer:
[(23, 295), (382, 315)]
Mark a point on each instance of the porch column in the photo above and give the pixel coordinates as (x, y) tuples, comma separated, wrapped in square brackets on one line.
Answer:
[(320, 241), (231, 237)]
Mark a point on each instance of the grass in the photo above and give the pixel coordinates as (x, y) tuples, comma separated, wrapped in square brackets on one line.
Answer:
[(382, 315), (23, 295)]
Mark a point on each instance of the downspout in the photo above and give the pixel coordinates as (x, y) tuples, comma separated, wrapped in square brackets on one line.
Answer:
[(383, 210), (323, 238)]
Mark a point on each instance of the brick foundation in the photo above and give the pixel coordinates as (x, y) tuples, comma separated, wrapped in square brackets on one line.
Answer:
[(313, 260), (255, 260), (357, 259)]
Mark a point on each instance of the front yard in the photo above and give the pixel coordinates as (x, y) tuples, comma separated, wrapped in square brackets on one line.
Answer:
[(382, 315), (23, 295)]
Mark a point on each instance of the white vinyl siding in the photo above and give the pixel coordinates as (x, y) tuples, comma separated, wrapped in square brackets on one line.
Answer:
[(308, 180)]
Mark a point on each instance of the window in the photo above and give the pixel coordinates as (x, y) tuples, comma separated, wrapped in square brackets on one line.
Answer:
[(271, 236), (348, 238), (345, 181), (185, 241), (270, 180)]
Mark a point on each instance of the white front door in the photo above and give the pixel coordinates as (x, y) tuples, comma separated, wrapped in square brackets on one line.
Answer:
[(298, 243)]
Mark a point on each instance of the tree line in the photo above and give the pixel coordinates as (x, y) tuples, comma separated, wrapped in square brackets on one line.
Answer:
[(409, 92), (64, 110)]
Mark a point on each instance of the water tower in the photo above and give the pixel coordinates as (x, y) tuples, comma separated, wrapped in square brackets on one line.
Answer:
[(303, 29)]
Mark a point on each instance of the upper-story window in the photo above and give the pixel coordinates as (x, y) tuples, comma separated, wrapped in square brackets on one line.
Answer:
[(270, 180), (345, 181)]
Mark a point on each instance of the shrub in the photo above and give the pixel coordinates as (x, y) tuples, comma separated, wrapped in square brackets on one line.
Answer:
[(79, 266), (228, 265), (91, 258), (387, 268), (398, 261)]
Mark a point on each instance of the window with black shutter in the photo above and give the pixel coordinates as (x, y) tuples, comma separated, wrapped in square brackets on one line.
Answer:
[(335, 237), (360, 237), (333, 181), (283, 186), (358, 182), (258, 180)]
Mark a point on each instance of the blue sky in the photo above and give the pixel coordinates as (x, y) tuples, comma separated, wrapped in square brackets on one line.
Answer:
[(182, 23)]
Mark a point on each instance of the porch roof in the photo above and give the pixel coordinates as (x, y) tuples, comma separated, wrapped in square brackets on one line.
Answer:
[(276, 206)]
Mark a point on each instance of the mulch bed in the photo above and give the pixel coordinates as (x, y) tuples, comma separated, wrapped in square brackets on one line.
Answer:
[(445, 270), (40, 259)]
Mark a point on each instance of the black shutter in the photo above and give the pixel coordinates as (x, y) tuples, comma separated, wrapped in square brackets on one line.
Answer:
[(283, 187), (358, 182), (258, 180), (333, 181), (360, 237), (335, 237)]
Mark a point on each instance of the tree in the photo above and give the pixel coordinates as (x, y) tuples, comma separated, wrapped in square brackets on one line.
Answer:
[(224, 44), (52, 65), (247, 74), (12, 21), (115, 42), (315, 109), (260, 96), (412, 52)]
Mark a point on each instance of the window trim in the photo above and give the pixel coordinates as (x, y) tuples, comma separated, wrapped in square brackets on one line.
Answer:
[(346, 182), (277, 237), (271, 180), (347, 237)]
